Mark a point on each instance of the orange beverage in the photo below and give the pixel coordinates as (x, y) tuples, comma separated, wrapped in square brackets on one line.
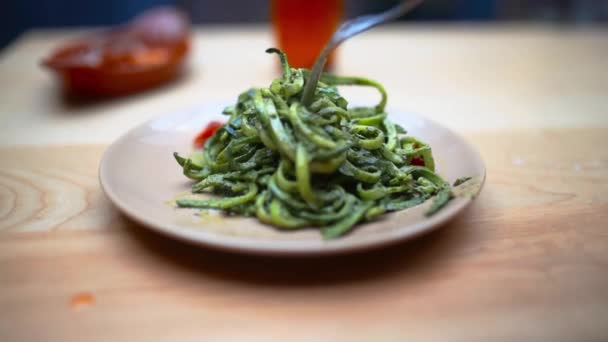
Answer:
[(302, 27)]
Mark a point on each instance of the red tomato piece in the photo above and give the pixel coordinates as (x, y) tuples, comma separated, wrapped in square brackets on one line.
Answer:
[(418, 161), (206, 133)]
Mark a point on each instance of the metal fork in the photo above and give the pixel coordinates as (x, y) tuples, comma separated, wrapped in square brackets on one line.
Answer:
[(347, 30)]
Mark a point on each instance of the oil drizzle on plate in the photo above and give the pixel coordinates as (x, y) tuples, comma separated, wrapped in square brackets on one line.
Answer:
[(468, 189)]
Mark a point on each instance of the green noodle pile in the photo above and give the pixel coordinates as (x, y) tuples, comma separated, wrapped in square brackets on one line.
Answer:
[(324, 165)]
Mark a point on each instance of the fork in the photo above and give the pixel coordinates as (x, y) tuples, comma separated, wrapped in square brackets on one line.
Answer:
[(347, 30)]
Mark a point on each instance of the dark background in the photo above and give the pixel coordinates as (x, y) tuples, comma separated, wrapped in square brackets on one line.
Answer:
[(20, 15)]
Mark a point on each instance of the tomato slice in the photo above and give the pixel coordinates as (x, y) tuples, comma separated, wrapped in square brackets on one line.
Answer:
[(144, 53), (206, 133), (418, 161)]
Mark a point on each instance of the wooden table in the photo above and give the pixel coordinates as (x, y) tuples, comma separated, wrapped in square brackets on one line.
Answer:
[(528, 261)]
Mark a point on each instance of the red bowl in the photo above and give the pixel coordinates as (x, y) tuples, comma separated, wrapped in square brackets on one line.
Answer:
[(145, 53)]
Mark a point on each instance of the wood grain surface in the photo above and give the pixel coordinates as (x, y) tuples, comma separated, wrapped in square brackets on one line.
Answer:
[(528, 260)]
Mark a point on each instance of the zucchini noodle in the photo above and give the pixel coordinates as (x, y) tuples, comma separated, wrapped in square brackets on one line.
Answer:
[(325, 165)]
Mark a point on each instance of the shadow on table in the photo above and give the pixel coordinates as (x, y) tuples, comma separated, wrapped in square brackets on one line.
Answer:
[(70, 103), (416, 256)]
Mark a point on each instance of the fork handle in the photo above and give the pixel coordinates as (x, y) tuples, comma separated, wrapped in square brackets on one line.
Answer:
[(347, 30)]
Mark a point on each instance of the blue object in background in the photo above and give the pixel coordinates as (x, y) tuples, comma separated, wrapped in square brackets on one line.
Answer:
[(20, 15)]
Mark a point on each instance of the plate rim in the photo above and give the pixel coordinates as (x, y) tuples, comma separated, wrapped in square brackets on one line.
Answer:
[(286, 248)]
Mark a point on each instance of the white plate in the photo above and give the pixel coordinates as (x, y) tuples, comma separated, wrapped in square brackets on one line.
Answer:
[(140, 176)]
